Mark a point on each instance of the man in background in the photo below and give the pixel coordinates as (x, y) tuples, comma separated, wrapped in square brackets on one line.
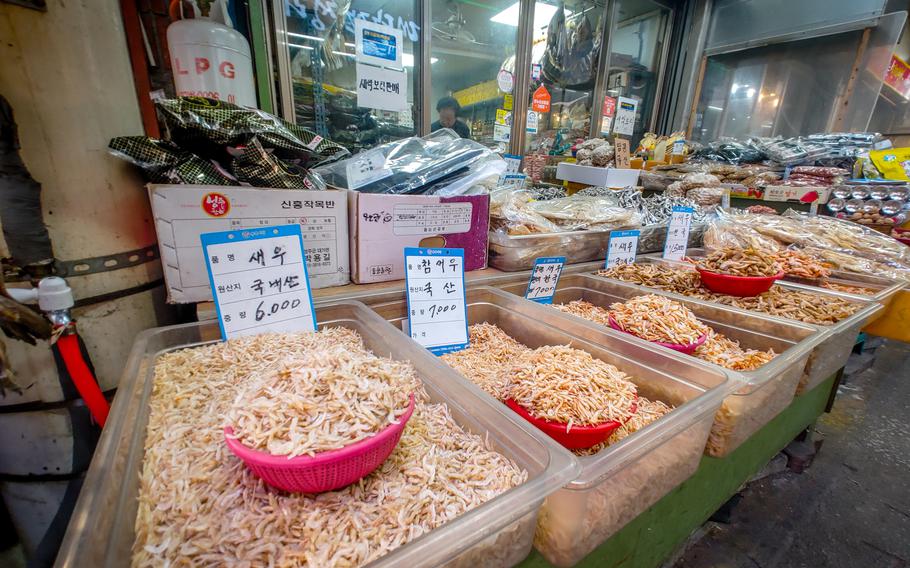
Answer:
[(448, 109)]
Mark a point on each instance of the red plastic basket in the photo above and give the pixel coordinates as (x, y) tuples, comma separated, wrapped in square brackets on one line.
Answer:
[(325, 471), (579, 437), (688, 349), (742, 286)]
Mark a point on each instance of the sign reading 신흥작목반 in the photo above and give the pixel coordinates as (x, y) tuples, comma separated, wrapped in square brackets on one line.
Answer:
[(544, 278), (259, 280), (678, 233), (621, 248), (437, 312)]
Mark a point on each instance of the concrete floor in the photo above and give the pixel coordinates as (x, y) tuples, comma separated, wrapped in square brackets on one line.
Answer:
[(851, 508)]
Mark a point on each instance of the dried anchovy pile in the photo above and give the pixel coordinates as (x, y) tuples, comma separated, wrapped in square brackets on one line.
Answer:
[(658, 318), (778, 301), (799, 264), (628, 198), (322, 400), (657, 209), (728, 353), (490, 351), (570, 386), (199, 505), (546, 192), (716, 349), (740, 262)]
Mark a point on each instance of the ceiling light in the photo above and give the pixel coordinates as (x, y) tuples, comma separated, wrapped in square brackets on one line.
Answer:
[(300, 46), (543, 13), (311, 38)]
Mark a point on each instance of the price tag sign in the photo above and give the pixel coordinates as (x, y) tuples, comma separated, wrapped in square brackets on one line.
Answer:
[(725, 200), (622, 247), (544, 277), (625, 116), (678, 233), (259, 280), (621, 151), (437, 313), (366, 167), (512, 181), (513, 163)]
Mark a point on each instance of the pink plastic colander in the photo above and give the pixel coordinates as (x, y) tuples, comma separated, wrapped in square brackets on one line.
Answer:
[(325, 471)]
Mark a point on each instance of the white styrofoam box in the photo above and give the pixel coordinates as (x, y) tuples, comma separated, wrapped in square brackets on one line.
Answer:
[(592, 175), (183, 212)]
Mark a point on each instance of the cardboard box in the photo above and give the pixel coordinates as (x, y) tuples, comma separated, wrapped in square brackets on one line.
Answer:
[(383, 225), (592, 175), (183, 212)]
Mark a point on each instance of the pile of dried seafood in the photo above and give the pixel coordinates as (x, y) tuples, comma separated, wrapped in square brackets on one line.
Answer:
[(570, 386), (799, 264), (658, 318), (198, 504), (740, 262), (491, 351)]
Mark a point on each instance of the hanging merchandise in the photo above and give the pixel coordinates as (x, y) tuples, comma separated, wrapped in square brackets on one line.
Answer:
[(540, 102), (209, 58), (572, 50)]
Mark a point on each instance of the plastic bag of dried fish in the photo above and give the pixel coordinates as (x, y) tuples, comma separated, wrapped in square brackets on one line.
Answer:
[(190, 479)]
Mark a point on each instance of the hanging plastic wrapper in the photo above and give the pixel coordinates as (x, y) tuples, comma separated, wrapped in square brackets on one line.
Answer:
[(206, 126), (256, 166), (164, 162), (413, 165)]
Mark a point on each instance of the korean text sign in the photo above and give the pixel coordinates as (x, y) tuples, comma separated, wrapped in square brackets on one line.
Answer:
[(678, 233), (259, 280), (622, 247), (544, 278), (437, 313)]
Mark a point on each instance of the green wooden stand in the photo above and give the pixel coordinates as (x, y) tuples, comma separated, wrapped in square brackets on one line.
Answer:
[(653, 536)]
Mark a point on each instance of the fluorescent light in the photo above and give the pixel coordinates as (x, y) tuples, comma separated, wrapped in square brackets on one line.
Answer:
[(750, 93), (718, 109), (734, 88), (311, 38), (300, 46), (345, 53), (543, 13), (407, 59)]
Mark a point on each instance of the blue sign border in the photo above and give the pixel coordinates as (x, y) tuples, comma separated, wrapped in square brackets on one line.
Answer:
[(246, 235), (546, 260), (432, 252), (678, 209), (618, 235)]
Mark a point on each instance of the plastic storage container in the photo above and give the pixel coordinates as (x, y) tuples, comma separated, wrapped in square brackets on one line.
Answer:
[(832, 352), (513, 253), (497, 533), (765, 391), (622, 481)]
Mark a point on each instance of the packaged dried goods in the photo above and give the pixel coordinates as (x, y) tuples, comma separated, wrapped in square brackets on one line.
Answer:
[(198, 504), (740, 262)]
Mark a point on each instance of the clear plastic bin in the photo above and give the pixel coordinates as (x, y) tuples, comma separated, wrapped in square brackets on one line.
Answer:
[(514, 253), (830, 354), (497, 533), (622, 481), (765, 391)]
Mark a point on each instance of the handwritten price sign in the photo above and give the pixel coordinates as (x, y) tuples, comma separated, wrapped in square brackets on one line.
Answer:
[(259, 280), (544, 278), (622, 247), (678, 233), (437, 313)]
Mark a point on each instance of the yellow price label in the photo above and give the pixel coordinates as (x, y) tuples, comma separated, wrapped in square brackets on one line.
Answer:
[(507, 102), (503, 117)]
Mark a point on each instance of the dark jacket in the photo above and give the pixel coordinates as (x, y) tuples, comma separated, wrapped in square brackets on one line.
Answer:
[(459, 127)]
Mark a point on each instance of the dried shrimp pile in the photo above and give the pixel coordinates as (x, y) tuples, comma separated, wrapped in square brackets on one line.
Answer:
[(740, 262), (728, 353), (491, 351), (858, 290), (800, 264), (199, 505), (778, 301), (566, 385), (322, 400), (658, 318), (717, 348), (648, 411)]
